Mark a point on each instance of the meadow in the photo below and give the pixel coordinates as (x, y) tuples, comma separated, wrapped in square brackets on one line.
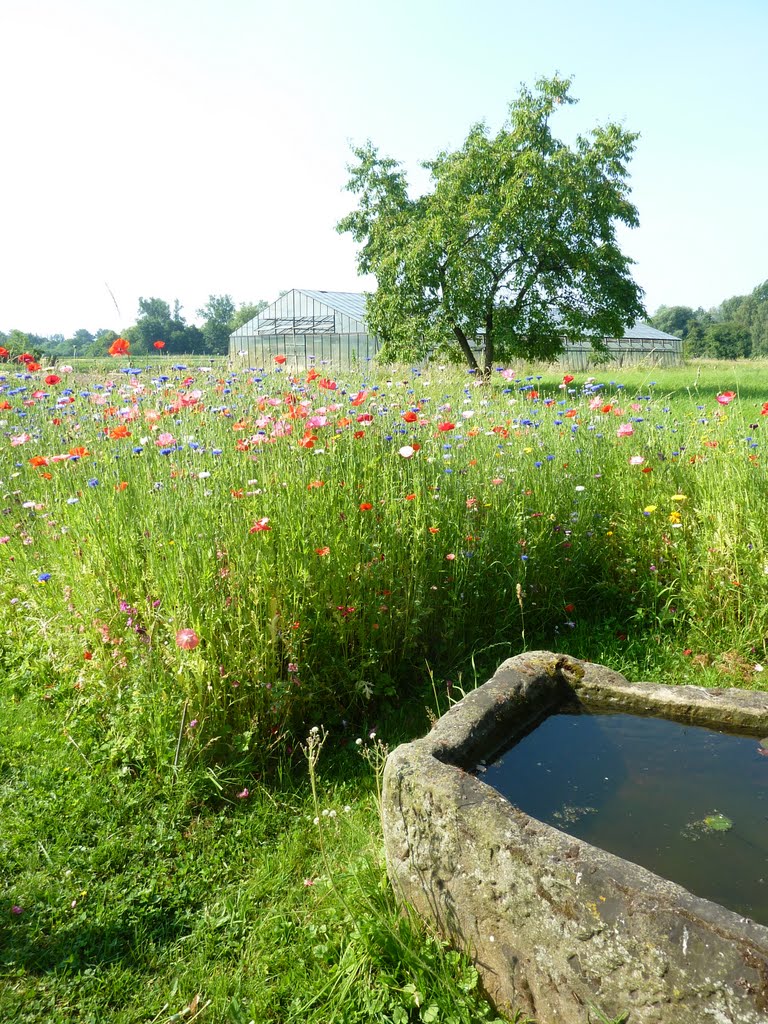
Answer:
[(201, 564)]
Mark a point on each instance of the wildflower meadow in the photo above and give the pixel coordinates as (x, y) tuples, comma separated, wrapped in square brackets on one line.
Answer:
[(202, 564)]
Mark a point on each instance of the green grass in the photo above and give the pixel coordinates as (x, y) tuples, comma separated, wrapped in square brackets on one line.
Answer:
[(138, 897), (147, 878)]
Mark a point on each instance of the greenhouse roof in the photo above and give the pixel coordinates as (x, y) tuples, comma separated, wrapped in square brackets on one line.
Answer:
[(645, 331), (350, 303)]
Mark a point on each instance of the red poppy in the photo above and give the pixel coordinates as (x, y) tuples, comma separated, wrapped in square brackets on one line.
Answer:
[(280, 360), (764, 410), (365, 506), (358, 434), (411, 417), (122, 486), (323, 551), (52, 379), (571, 413), (33, 367), (120, 347), (25, 357), (329, 385), (365, 417), (312, 375), (159, 344), (726, 397), (4, 353), (38, 460), (119, 432), (445, 426), (7, 405), (568, 378), (260, 526), (79, 452), (359, 398)]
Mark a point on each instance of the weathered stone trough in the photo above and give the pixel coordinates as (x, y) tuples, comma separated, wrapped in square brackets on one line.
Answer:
[(557, 927)]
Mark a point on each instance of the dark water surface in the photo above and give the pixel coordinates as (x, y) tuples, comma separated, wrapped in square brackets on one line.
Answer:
[(690, 804)]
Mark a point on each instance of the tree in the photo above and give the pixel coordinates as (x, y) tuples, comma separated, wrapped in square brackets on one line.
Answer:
[(727, 340), (156, 322), (217, 314), (673, 319), (512, 253), (245, 312)]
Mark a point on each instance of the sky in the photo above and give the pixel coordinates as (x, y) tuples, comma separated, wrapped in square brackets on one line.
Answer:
[(187, 148)]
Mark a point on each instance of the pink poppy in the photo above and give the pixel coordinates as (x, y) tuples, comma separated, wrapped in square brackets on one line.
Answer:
[(187, 639)]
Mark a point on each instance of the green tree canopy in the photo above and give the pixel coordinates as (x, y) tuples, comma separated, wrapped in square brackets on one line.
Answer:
[(246, 311), (217, 314), (514, 249)]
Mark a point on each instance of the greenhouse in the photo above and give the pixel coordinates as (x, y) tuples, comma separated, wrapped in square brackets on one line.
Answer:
[(307, 327), (321, 327), (639, 344)]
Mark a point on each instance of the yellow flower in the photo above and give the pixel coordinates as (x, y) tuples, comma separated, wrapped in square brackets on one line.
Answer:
[(679, 497), (674, 517), (649, 508)]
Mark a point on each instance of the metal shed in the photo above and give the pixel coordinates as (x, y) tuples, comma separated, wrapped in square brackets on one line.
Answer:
[(308, 327)]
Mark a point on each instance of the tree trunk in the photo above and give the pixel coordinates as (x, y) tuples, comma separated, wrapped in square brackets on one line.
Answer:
[(466, 348), (489, 353)]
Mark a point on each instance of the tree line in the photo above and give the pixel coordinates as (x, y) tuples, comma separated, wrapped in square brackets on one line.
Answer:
[(159, 327), (736, 329)]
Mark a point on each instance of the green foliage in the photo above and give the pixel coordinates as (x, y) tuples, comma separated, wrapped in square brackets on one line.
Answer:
[(736, 329), (217, 314), (512, 252), (246, 311), (110, 879)]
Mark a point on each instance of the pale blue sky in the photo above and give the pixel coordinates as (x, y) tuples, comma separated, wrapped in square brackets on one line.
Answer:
[(178, 149)]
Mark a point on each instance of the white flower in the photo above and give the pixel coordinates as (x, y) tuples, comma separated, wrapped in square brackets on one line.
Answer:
[(406, 451)]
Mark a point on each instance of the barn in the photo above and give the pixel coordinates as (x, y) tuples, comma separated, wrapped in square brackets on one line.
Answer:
[(307, 327)]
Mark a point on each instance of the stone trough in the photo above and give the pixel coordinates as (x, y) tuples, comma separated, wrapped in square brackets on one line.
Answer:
[(557, 928)]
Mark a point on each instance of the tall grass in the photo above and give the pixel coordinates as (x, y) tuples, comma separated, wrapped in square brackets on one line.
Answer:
[(328, 543)]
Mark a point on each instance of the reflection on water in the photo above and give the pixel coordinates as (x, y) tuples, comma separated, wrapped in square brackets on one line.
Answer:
[(690, 804)]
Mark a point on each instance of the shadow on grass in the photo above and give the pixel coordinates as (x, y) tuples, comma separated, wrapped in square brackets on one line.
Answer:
[(75, 947)]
